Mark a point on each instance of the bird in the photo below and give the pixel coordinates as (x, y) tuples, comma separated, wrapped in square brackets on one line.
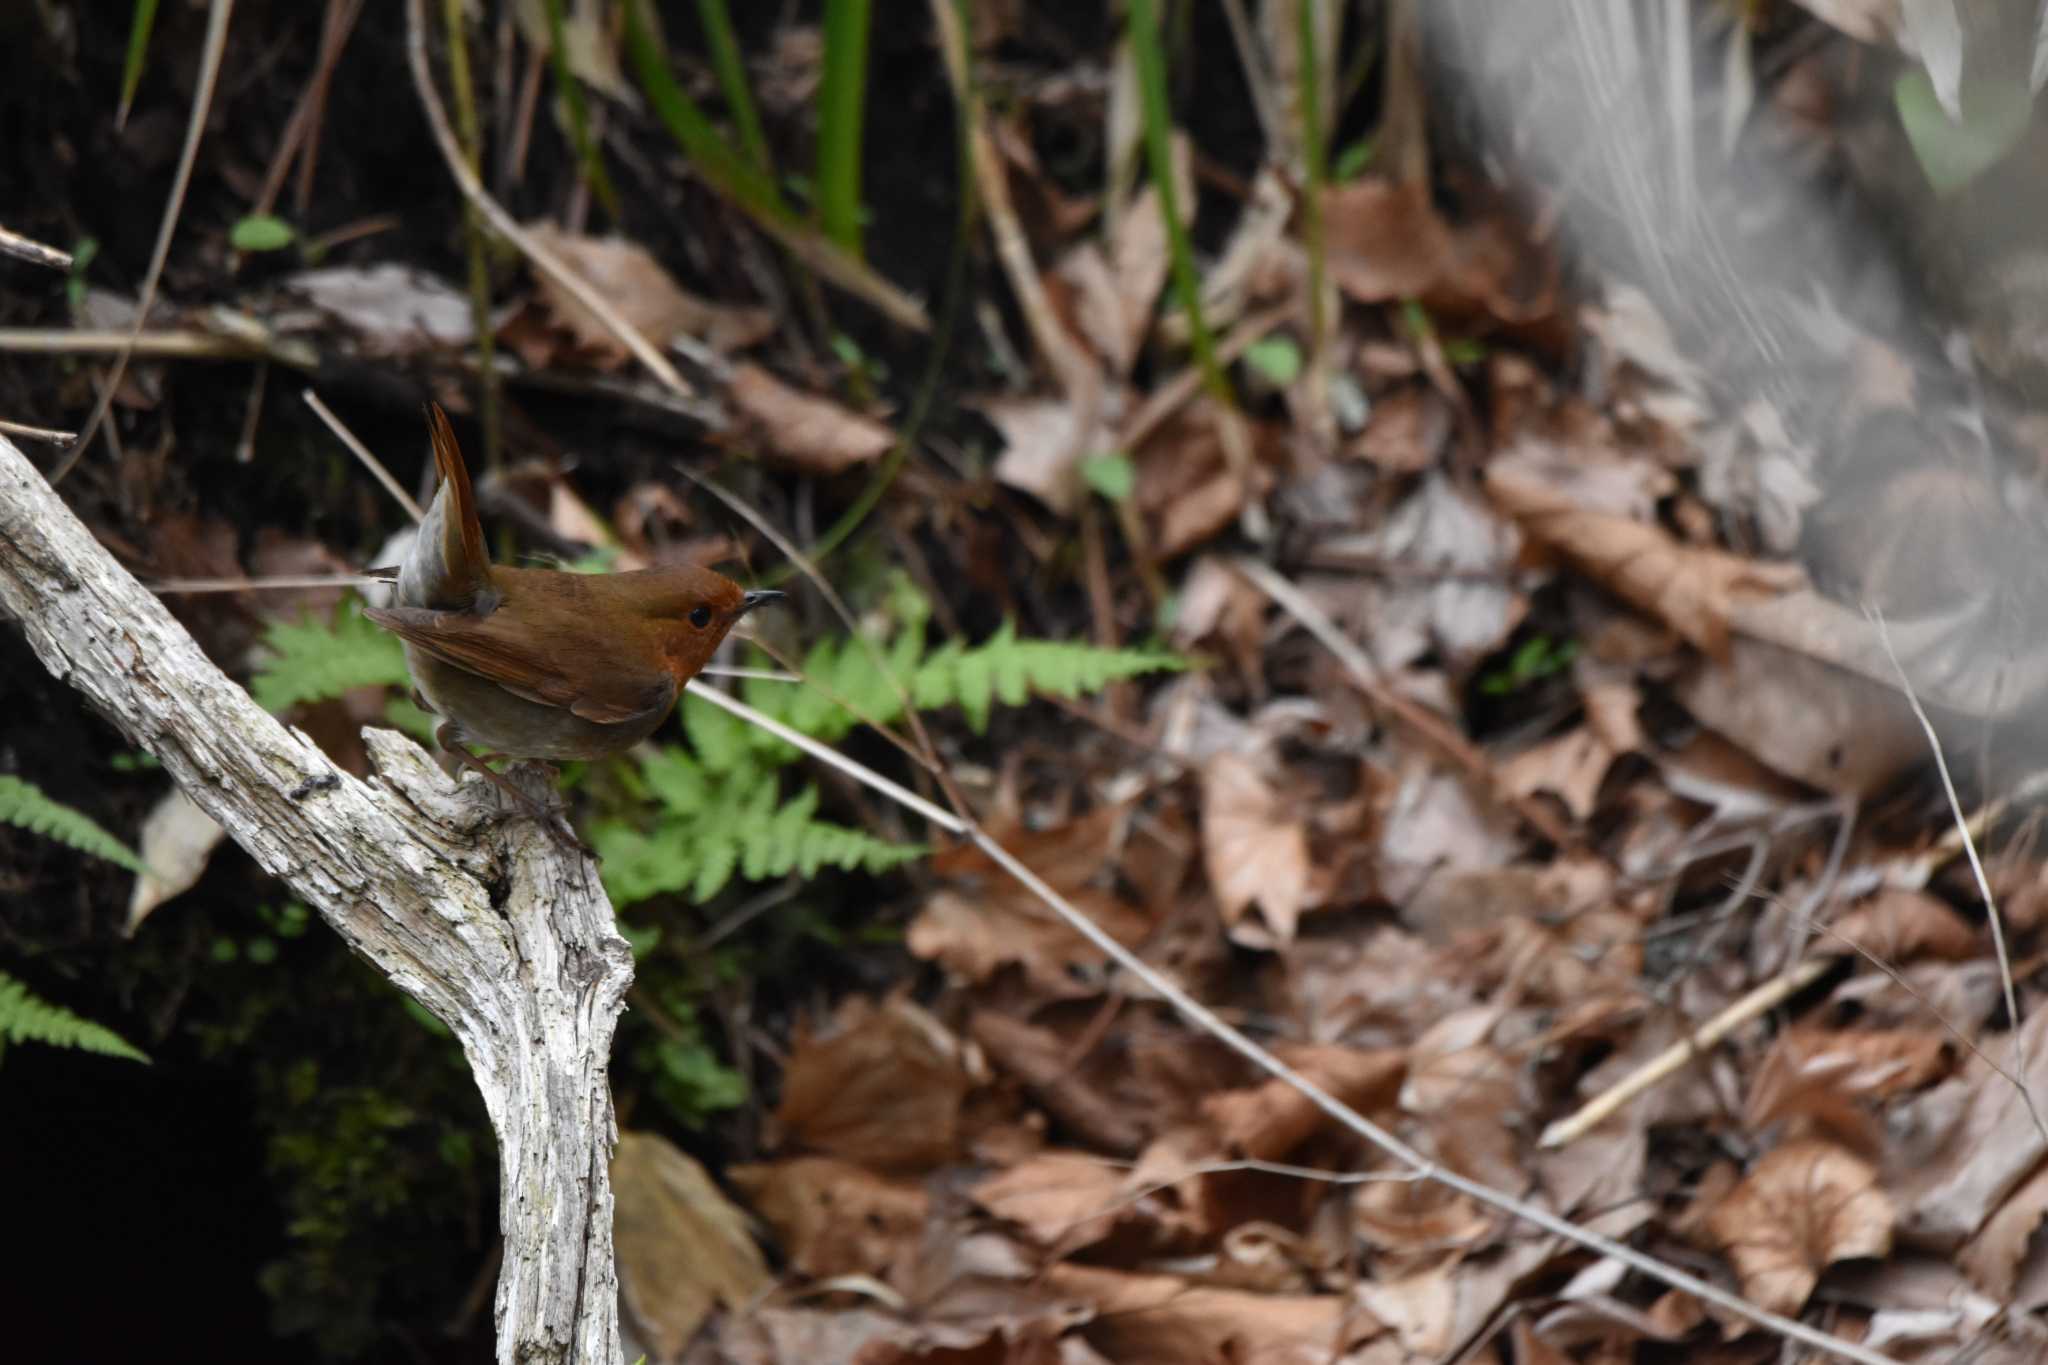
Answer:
[(544, 664)]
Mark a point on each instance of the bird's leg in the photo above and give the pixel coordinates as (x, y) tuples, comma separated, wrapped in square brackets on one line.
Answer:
[(553, 822)]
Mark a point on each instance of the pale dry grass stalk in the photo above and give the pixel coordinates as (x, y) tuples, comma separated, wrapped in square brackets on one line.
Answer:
[(214, 44)]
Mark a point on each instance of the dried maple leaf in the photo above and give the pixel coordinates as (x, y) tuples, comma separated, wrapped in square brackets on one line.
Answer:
[(1806, 1205), (833, 1217), (1692, 590), (804, 432), (885, 1089), (1255, 853), (683, 1247)]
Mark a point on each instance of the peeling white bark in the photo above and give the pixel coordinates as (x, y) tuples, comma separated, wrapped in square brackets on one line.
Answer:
[(487, 923)]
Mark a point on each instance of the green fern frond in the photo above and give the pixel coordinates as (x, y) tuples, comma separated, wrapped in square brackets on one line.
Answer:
[(313, 661), (27, 1018), (1002, 669), (720, 825), (24, 805)]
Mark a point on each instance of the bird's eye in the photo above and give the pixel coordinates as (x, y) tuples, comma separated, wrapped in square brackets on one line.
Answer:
[(701, 617)]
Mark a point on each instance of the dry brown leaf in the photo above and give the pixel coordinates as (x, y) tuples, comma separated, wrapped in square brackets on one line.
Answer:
[(1256, 854), (1961, 1148), (1405, 431), (1416, 1221), (627, 277), (1592, 955), (884, 1088), (1165, 1320), (1089, 1104), (976, 936), (1420, 1307), (1382, 986), (1462, 1086), (683, 1247), (803, 432), (1828, 728), (1455, 903), (1691, 590), (1203, 511), (1437, 818), (1993, 1257), (1271, 1120), (832, 1217), (1826, 1078), (982, 921), (1572, 765), (1114, 289), (1466, 604), (1059, 1198), (1806, 1205), (1042, 450), (1898, 926), (1384, 240)]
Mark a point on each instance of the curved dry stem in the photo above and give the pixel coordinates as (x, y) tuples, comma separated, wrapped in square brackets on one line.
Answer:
[(545, 261)]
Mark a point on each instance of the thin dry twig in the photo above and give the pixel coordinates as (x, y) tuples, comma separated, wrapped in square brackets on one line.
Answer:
[(214, 45), (34, 252), (47, 435), (363, 455), (1424, 1168), (1768, 996), (164, 345), (545, 261), (165, 587), (1955, 806)]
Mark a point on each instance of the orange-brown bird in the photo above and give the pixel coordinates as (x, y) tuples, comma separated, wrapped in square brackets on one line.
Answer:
[(541, 663)]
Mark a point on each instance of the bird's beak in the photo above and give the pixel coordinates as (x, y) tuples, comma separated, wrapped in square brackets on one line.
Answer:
[(748, 601)]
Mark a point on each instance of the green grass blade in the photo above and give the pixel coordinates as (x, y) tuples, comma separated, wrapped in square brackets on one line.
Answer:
[(140, 21), (731, 67), (587, 150), (694, 133), (1151, 63), (842, 107), (753, 192)]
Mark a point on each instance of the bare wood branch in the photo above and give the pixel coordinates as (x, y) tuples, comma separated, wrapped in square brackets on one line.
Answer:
[(403, 866)]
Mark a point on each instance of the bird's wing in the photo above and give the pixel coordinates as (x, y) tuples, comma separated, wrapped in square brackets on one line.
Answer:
[(525, 663)]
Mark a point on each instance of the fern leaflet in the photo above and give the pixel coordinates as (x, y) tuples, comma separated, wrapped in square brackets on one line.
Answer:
[(718, 825), (314, 660), (23, 804), (27, 1018)]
